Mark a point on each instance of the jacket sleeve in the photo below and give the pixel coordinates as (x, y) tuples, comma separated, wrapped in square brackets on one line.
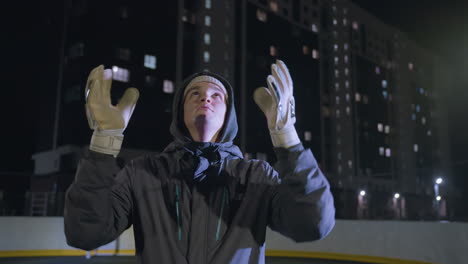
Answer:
[(302, 206), (98, 204)]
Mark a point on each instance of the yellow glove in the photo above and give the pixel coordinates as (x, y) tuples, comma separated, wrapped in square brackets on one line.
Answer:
[(107, 121), (277, 103)]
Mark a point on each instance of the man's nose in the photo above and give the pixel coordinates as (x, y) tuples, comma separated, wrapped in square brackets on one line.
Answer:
[(205, 98)]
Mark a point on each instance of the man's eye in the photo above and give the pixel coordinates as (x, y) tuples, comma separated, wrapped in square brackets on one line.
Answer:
[(195, 93)]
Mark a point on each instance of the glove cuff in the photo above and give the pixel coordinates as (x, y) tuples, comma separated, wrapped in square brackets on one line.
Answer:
[(107, 141), (284, 138)]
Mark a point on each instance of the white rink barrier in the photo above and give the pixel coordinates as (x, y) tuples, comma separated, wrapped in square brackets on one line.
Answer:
[(366, 241)]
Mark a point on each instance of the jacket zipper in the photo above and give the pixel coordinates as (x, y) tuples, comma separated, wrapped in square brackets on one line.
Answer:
[(177, 200)]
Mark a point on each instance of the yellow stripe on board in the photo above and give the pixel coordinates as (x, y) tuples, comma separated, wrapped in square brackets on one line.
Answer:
[(270, 253), (339, 256)]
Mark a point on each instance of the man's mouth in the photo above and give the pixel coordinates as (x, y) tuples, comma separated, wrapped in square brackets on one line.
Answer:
[(206, 107)]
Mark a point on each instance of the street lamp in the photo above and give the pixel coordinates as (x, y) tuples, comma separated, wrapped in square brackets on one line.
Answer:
[(396, 196), (438, 198), (362, 193), (439, 180)]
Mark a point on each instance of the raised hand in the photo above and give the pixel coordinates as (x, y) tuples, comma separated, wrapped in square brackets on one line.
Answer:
[(277, 103), (107, 121)]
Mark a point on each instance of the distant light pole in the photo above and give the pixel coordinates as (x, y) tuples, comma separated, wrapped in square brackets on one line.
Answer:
[(438, 198), (397, 203)]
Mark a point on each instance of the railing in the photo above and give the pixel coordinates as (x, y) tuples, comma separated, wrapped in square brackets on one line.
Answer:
[(347, 202)]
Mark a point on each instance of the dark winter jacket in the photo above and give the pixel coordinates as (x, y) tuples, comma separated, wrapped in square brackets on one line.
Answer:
[(198, 203)]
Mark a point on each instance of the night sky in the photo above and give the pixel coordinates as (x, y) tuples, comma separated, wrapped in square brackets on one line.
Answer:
[(31, 58)]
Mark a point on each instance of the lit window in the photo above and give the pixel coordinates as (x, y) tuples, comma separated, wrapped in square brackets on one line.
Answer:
[(346, 71), (308, 136), (418, 108), (355, 25), (315, 54), (380, 127), (346, 46), (337, 73), (305, 50), (415, 148), (348, 98), (384, 84), (413, 116), (347, 84), (337, 60), (337, 86), (274, 6), (207, 38), (358, 97), (335, 21), (340, 169), (421, 90), (206, 56), (334, 8), (339, 156), (381, 151), (348, 110), (337, 100), (273, 51), (387, 129), (350, 164), (388, 152), (345, 22), (150, 61), (120, 74), (338, 141), (346, 59), (410, 66), (338, 115), (385, 94), (261, 15), (207, 4), (429, 133), (377, 70), (314, 28), (335, 47), (168, 86), (207, 21), (423, 120)]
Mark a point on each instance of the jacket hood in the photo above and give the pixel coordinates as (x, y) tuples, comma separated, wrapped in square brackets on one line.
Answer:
[(179, 131)]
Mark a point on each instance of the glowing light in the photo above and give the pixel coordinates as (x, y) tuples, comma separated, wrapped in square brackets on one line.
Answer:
[(439, 180), (396, 196), (362, 193), (438, 198)]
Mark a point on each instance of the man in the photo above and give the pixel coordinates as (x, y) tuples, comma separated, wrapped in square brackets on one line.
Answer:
[(198, 201)]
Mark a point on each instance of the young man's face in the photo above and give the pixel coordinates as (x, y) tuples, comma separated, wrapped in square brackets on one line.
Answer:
[(205, 102)]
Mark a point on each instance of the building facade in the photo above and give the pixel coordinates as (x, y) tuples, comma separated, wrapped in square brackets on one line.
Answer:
[(366, 95)]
